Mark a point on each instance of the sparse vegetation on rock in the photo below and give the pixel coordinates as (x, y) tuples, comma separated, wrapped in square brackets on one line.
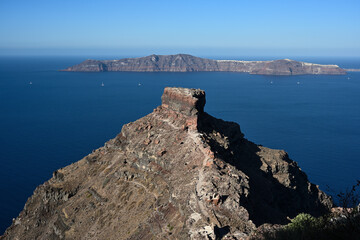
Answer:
[(342, 223)]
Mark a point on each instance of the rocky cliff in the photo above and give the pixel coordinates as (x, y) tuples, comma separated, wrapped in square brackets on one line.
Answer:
[(188, 63), (177, 173)]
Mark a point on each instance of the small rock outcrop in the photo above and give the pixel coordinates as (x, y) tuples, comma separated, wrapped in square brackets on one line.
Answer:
[(188, 63), (177, 173), (189, 102)]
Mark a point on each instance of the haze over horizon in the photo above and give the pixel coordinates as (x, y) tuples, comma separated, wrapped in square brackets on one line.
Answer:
[(204, 28)]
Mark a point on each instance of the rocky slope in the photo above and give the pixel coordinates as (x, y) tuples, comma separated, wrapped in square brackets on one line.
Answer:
[(177, 173), (188, 63)]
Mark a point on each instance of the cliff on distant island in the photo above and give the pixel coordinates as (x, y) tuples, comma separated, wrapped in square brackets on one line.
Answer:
[(177, 173), (352, 70), (188, 63)]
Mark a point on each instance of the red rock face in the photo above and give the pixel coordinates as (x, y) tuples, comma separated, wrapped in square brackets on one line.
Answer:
[(186, 101), (177, 173)]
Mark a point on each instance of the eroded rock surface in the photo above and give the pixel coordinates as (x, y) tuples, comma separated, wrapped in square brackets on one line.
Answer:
[(177, 173), (188, 63)]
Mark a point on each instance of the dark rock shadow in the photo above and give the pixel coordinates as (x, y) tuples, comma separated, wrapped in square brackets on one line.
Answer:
[(268, 201), (221, 232)]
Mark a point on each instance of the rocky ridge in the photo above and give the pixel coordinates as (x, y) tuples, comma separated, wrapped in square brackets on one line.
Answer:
[(188, 63), (177, 173)]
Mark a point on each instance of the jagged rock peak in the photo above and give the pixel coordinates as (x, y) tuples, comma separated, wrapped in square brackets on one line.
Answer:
[(187, 101), (177, 173)]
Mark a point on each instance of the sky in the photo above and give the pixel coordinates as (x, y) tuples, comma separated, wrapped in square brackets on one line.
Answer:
[(245, 27)]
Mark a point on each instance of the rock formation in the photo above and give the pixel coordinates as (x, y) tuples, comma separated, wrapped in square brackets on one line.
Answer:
[(352, 70), (188, 63), (177, 173)]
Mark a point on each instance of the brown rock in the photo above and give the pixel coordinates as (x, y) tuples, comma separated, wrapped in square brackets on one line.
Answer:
[(161, 152), (147, 141), (212, 184), (190, 102)]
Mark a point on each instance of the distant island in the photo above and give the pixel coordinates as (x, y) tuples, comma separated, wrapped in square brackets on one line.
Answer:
[(189, 63)]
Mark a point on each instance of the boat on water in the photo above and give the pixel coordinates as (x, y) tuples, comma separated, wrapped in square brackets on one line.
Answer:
[(30, 83), (102, 84)]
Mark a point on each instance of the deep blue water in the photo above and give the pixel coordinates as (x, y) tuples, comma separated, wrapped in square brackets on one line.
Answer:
[(62, 116)]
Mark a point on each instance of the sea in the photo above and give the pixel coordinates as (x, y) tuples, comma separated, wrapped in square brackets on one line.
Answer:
[(50, 119)]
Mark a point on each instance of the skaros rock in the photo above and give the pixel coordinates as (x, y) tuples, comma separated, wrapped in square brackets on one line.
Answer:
[(177, 173)]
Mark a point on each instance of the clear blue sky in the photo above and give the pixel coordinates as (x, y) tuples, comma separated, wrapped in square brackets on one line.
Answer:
[(316, 27)]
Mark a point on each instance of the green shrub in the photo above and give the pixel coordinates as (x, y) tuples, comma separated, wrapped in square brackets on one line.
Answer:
[(333, 226), (301, 222), (303, 226), (306, 227)]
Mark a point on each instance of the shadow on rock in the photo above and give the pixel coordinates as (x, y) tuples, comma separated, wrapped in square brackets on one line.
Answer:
[(278, 188)]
